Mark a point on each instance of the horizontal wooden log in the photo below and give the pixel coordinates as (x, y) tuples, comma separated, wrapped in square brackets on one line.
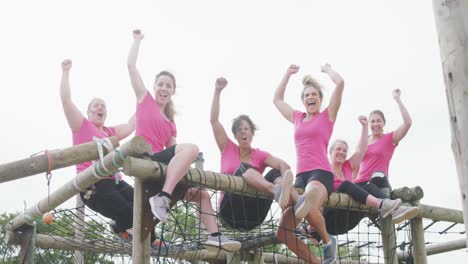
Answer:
[(60, 158), (71, 244), (147, 169), (438, 248), (404, 193), (417, 193), (83, 180), (222, 182), (441, 214)]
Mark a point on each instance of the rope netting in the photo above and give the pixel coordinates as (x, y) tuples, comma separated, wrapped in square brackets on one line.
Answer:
[(185, 235)]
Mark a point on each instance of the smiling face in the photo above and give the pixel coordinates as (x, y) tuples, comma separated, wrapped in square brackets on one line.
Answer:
[(244, 134), (97, 112), (377, 123), (339, 151), (311, 99), (164, 89)]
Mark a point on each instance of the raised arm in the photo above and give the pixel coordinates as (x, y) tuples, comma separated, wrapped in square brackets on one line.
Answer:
[(400, 133), (335, 99), (278, 99), (361, 148), (277, 163), (218, 129), (135, 77), (72, 113), (124, 130)]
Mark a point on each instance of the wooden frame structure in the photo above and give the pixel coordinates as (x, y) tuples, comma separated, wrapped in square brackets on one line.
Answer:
[(127, 157)]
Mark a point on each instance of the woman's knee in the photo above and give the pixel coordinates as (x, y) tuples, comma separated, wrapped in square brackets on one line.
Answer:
[(189, 148)]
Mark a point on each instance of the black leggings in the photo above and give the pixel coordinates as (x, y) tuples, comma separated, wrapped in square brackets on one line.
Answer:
[(245, 212), (114, 201), (340, 221), (358, 192)]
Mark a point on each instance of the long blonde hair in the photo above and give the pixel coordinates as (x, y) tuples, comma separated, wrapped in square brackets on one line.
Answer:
[(169, 110)]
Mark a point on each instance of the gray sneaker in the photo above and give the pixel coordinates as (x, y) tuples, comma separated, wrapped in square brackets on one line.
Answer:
[(329, 251), (404, 213), (283, 189), (388, 206), (303, 205), (160, 205), (223, 242)]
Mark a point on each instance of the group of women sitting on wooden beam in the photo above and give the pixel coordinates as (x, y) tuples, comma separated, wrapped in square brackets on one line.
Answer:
[(361, 176)]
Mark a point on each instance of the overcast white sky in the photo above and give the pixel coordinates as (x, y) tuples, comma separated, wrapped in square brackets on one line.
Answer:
[(375, 45)]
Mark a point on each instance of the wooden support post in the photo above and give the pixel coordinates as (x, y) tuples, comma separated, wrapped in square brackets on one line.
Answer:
[(28, 245), (233, 258), (451, 18), (141, 249), (79, 225), (60, 158), (419, 244), (86, 178), (257, 257), (388, 241)]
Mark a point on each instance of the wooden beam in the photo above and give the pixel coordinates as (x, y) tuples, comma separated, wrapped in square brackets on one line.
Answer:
[(438, 248), (451, 18), (147, 169), (440, 214), (60, 158), (141, 244), (388, 234), (419, 244), (86, 178), (79, 229)]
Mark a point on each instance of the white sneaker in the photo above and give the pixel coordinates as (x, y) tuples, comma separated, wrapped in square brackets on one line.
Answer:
[(160, 205), (223, 242), (388, 206), (404, 213)]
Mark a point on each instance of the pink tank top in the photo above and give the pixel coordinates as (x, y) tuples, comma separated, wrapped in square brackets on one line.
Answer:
[(152, 125), (311, 138), (377, 158), (230, 159), (347, 174), (86, 133)]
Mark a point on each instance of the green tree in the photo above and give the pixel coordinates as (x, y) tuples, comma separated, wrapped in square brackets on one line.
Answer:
[(62, 226)]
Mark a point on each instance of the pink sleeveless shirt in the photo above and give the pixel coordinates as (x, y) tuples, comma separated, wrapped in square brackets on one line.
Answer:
[(377, 158), (347, 174), (311, 138), (86, 133), (152, 125), (230, 159)]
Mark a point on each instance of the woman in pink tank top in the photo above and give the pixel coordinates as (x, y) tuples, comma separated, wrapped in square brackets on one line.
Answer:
[(345, 170), (243, 160), (155, 123), (112, 200), (376, 161), (312, 132)]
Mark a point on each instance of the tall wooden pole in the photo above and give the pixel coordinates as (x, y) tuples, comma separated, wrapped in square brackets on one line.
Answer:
[(79, 227), (451, 17), (419, 245), (141, 245)]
